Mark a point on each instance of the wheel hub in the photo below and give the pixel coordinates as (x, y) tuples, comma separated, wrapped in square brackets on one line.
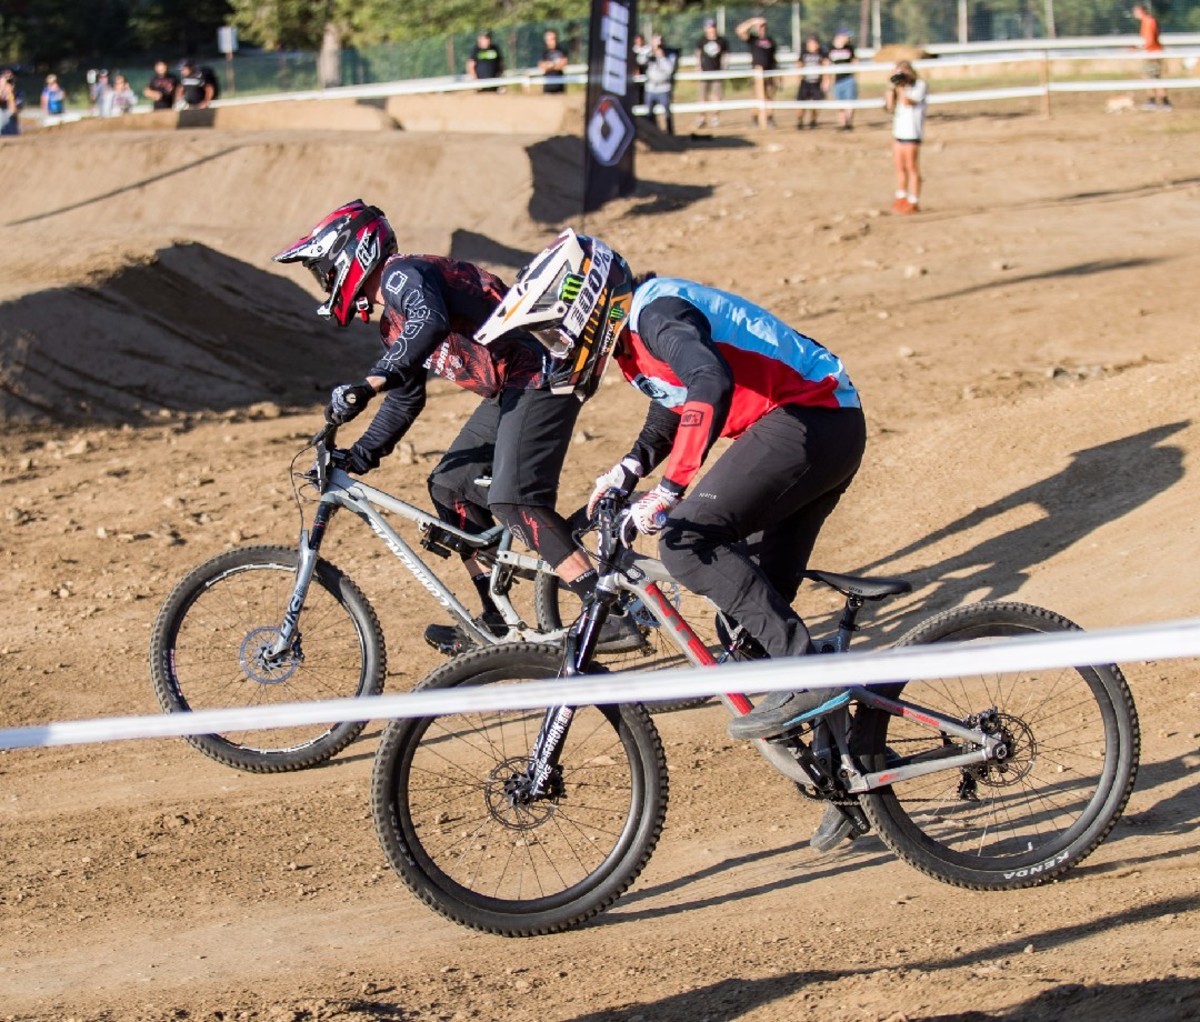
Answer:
[(511, 799), (1012, 758), (260, 666)]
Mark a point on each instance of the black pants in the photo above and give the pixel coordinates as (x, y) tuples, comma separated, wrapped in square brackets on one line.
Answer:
[(744, 535), (520, 439)]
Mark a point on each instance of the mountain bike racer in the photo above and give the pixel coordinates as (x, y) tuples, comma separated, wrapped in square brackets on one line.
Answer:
[(716, 365), (429, 308)]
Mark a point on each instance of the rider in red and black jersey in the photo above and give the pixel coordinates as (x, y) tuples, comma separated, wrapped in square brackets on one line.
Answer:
[(430, 307)]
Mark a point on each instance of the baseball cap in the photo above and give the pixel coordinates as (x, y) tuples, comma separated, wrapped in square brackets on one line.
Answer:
[(710, 22), (843, 31)]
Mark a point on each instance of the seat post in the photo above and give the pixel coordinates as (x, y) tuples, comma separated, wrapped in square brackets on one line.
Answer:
[(847, 626)]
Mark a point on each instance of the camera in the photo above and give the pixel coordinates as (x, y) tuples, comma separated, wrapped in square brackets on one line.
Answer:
[(899, 78)]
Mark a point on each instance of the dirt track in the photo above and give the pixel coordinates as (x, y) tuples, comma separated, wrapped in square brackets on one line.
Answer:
[(1026, 351)]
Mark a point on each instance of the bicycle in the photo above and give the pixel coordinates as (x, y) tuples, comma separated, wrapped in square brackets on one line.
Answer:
[(530, 822), (229, 633)]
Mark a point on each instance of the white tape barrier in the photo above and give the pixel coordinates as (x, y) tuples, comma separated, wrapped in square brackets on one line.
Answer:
[(577, 75), (910, 663)]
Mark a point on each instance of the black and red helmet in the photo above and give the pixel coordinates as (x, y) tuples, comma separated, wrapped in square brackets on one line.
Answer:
[(341, 252)]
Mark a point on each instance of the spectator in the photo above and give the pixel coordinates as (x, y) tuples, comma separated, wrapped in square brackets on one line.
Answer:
[(642, 53), (194, 86), (762, 55), (553, 63), (905, 100), (660, 81), (100, 93), (710, 56), (54, 98), (124, 98), (812, 89), (1152, 67), (845, 84), (162, 88), (486, 60), (12, 102)]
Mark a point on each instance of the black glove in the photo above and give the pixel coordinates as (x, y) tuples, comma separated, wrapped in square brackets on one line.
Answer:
[(354, 459), (346, 401)]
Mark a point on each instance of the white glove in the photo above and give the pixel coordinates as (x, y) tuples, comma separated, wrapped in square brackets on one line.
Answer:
[(649, 512), (622, 476)]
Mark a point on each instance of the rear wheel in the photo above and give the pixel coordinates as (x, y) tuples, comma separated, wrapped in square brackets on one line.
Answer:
[(210, 649), (459, 824), (1072, 744)]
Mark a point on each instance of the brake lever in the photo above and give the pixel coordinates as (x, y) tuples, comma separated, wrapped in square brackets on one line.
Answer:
[(324, 442)]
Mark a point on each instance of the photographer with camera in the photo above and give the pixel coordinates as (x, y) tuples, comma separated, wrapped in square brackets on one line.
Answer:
[(905, 101)]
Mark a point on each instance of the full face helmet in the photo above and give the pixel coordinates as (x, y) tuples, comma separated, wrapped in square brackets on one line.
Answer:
[(341, 252), (574, 298)]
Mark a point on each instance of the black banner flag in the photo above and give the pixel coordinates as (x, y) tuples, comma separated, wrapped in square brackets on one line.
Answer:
[(608, 127)]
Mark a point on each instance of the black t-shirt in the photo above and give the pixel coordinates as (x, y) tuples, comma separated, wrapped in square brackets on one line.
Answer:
[(165, 86), (842, 55), (552, 75), (712, 52), (192, 85), (488, 62), (762, 52), (810, 61)]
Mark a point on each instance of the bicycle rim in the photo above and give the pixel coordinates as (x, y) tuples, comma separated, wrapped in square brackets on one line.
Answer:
[(209, 645), (1072, 741), (458, 840)]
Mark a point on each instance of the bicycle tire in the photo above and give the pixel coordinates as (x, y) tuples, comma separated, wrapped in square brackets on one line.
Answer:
[(1017, 823), (658, 654), (476, 858), (205, 637)]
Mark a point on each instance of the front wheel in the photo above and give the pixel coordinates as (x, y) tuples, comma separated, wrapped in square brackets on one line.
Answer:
[(457, 822), (211, 648), (1072, 744)]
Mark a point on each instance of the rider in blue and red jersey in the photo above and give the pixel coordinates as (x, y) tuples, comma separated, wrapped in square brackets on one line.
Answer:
[(716, 365)]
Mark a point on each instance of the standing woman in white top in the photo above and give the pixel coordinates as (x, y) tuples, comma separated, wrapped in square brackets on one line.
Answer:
[(905, 100)]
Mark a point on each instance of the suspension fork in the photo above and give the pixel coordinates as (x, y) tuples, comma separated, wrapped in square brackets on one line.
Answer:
[(309, 552), (578, 650)]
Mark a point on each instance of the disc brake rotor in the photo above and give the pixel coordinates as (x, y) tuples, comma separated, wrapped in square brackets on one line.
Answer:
[(257, 663)]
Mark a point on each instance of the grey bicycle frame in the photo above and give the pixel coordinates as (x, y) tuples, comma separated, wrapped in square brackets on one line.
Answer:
[(344, 491), (640, 575)]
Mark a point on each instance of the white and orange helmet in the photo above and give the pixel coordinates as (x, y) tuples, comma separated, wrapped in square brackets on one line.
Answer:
[(574, 297)]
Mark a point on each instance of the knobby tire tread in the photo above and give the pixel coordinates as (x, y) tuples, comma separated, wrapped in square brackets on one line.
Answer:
[(173, 700), (462, 670), (1011, 618)]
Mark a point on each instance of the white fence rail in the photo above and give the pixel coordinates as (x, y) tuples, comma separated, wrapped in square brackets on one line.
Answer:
[(912, 663)]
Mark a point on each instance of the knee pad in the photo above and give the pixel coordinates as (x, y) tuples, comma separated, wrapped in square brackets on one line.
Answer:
[(454, 509), (540, 528)]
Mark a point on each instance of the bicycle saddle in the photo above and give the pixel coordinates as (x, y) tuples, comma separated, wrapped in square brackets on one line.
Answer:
[(861, 586)]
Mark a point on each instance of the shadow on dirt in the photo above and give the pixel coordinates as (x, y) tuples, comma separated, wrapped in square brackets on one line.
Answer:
[(1078, 270), (865, 852), (1164, 1000), (1156, 1000), (192, 330), (1100, 485), (472, 247), (135, 186), (556, 166)]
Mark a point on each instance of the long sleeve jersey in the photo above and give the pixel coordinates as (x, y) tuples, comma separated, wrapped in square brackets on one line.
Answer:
[(431, 308), (713, 364)]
